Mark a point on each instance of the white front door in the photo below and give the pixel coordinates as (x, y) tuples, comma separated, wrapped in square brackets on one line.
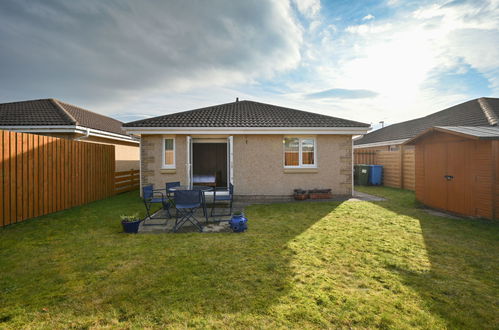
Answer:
[(230, 159), (188, 163)]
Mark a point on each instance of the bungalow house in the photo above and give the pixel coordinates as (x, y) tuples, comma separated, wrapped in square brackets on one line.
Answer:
[(264, 150), (52, 117)]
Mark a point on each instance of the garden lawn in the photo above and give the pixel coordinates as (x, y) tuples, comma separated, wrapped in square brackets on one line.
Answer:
[(301, 265)]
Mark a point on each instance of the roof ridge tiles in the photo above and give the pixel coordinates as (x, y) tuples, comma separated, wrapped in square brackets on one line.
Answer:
[(489, 113), (64, 111), (245, 113)]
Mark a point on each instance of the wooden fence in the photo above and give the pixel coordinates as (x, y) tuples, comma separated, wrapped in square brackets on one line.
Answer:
[(364, 157), (398, 166), (126, 181), (42, 174)]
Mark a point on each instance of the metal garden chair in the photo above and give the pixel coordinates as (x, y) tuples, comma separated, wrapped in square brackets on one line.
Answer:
[(169, 194), (186, 204), (223, 198), (154, 196)]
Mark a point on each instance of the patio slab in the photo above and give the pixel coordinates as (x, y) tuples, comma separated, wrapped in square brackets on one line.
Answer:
[(220, 224), (363, 197), (215, 224)]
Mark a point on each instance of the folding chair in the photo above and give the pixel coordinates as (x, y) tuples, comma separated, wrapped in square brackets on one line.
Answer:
[(154, 196), (186, 204), (169, 194), (225, 198)]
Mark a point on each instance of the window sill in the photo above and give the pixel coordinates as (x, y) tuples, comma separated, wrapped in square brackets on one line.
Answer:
[(168, 171), (301, 170)]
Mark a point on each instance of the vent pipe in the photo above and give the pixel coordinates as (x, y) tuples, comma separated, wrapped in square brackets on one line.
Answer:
[(237, 99)]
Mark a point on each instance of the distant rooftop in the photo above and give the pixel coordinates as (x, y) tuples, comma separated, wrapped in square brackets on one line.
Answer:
[(478, 112), (52, 112)]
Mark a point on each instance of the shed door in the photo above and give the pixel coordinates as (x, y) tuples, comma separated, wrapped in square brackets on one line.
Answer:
[(457, 186), (435, 168), (446, 176)]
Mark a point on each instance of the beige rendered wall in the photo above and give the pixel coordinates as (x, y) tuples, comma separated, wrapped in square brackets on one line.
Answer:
[(151, 158), (126, 153), (258, 165)]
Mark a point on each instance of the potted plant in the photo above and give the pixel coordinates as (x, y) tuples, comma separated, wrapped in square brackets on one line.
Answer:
[(300, 194), (130, 223), (320, 193)]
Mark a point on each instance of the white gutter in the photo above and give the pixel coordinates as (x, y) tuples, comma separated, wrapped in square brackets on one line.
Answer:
[(83, 137), (379, 144), (247, 130), (70, 129)]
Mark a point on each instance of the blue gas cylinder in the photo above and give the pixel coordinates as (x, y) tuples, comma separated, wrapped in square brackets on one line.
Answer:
[(238, 223)]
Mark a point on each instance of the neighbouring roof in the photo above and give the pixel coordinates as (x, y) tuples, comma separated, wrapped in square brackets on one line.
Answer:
[(473, 132), (245, 114), (478, 112), (52, 112)]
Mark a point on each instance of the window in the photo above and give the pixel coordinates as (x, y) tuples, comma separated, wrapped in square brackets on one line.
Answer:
[(299, 152), (169, 153)]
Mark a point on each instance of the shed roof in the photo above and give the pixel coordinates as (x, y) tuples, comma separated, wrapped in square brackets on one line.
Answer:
[(245, 114), (478, 112), (472, 132)]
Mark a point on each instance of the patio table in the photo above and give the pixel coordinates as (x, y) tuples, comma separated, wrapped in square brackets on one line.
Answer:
[(203, 189)]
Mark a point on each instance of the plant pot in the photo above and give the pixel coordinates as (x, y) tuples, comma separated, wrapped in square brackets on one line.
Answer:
[(301, 197), (131, 227), (319, 195)]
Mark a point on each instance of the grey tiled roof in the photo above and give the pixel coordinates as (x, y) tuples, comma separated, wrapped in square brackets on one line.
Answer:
[(485, 133), (52, 112), (245, 114), (477, 112)]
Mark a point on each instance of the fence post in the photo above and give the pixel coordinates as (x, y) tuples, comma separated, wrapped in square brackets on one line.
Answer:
[(402, 167)]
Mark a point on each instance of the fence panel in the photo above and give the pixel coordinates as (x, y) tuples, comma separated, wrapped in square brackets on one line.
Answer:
[(41, 175), (409, 168), (126, 181), (365, 157), (398, 166), (391, 161)]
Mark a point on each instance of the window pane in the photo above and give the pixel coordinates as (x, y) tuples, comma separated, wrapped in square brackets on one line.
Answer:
[(291, 151), (308, 150), (169, 152)]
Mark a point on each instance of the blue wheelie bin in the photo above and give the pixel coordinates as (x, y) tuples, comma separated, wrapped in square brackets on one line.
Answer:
[(375, 175)]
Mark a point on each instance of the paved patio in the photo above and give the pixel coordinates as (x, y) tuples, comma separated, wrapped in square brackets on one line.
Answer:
[(220, 224)]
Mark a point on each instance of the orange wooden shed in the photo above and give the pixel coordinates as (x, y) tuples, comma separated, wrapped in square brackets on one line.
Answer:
[(457, 169)]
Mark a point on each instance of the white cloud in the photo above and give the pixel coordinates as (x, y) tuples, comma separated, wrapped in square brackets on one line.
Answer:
[(368, 28), (308, 8), (103, 51), (368, 17), (396, 58)]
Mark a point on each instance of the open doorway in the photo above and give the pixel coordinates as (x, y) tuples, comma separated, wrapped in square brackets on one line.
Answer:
[(209, 162)]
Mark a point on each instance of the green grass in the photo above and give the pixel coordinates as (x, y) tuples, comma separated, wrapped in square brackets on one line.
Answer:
[(302, 265)]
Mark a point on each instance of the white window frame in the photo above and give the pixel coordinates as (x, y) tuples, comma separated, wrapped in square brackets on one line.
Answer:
[(300, 151), (163, 165)]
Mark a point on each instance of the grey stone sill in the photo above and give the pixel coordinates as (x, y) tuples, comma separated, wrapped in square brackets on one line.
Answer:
[(168, 171), (301, 170)]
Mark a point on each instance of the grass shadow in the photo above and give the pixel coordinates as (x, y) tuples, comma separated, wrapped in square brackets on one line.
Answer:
[(75, 268), (461, 286)]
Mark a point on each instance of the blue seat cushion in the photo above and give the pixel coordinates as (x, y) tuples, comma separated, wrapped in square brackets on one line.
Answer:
[(223, 198), (155, 200), (187, 206)]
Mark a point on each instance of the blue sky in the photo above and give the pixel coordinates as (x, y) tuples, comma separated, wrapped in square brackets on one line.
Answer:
[(370, 61)]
